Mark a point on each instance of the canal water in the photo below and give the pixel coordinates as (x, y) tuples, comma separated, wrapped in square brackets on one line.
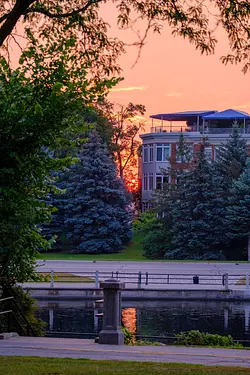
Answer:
[(157, 319)]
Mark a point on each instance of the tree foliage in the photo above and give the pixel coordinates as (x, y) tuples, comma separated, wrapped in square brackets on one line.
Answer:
[(197, 215), (80, 21), (231, 157), (98, 217), (41, 105), (125, 124), (238, 210), (205, 215)]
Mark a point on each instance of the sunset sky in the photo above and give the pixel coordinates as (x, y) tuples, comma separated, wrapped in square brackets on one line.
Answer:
[(172, 76)]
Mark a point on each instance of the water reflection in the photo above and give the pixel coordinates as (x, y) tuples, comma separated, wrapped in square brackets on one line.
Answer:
[(129, 319), (152, 318)]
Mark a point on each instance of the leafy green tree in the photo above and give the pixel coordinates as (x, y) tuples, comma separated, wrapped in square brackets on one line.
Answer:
[(81, 23), (238, 210), (38, 113), (98, 217), (197, 215), (126, 128)]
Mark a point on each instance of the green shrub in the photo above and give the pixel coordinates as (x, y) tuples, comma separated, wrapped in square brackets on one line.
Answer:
[(204, 339), (144, 222), (129, 338), (28, 308)]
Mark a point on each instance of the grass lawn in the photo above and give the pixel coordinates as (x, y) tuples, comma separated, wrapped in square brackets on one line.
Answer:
[(132, 252), (59, 366), (63, 277)]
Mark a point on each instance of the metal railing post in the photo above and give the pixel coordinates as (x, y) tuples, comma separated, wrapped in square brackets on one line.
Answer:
[(139, 279), (226, 280), (97, 279), (146, 278), (247, 281), (117, 274), (9, 321), (52, 279)]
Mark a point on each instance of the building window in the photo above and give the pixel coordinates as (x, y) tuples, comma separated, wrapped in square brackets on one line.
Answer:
[(145, 182), (151, 153), (162, 152), (146, 206), (150, 182), (145, 154), (161, 180)]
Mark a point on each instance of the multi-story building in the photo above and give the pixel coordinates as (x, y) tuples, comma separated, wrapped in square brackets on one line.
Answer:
[(160, 145)]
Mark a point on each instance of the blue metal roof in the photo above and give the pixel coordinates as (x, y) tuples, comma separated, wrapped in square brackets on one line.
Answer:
[(182, 116), (228, 114)]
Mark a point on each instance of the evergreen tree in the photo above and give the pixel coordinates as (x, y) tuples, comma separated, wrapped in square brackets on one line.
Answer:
[(93, 118), (98, 219), (197, 215), (231, 158), (183, 151), (157, 240), (238, 212), (230, 162)]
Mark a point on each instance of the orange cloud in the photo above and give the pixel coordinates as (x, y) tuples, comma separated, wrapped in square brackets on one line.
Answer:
[(242, 106), (130, 88), (174, 94)]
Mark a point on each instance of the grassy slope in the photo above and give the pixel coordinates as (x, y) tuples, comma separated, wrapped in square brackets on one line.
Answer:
[(132, 252), (49, 366)]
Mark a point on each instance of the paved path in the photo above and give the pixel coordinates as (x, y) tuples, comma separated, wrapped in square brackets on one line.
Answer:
[(75, 348), (152, 267)]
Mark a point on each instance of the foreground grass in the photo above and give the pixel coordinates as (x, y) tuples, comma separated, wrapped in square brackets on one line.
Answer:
[(59, 366), (132, 252)]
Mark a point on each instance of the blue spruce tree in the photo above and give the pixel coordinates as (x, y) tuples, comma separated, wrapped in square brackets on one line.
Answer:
[(197, 215), (231, 158), (97, 216), (238, 213)]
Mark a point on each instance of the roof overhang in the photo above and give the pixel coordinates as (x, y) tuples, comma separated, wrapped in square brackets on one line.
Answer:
[(228, 114), (182, 116)]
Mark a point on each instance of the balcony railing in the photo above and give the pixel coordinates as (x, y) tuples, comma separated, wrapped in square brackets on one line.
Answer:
[(172, 129), (207, 130)]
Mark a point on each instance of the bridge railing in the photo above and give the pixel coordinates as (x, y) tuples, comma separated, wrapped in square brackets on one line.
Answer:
[(144, 279)]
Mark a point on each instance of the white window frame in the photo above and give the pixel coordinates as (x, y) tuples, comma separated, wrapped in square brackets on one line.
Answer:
[(162, 180), (151, 153), (146, 206), (150, 179), (145, 150), (145, 182), (163, 146)]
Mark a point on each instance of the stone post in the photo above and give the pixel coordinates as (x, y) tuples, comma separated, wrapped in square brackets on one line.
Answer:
[(111, 332)]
